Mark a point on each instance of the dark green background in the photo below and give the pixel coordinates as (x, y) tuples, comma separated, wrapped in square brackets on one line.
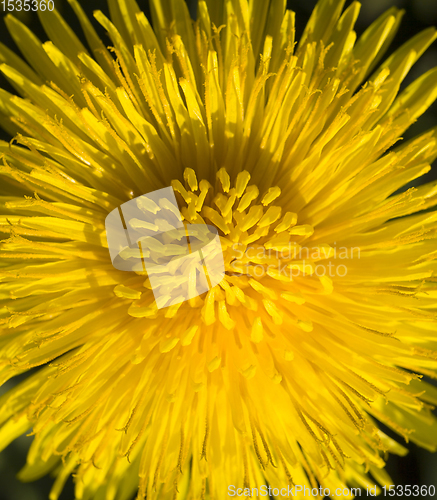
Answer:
[(419, 467)]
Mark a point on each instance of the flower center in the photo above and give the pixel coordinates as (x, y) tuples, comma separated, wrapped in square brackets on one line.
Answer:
[(270, 268)]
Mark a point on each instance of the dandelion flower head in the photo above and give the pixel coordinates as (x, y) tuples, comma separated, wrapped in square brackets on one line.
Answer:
[(270, 377)]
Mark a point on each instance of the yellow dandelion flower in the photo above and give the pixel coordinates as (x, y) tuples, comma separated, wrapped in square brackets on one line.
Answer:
[(325, 319)]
